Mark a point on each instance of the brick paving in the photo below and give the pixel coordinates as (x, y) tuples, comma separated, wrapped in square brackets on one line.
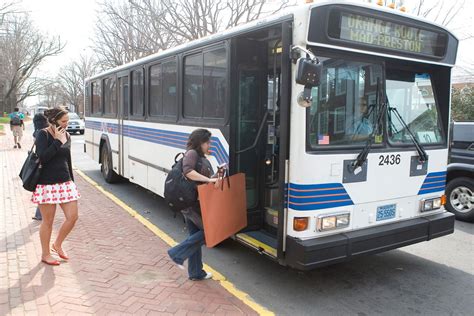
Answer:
[(117, 265)]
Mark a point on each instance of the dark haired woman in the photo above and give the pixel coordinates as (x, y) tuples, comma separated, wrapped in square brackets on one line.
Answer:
[(197, 168), (55, 186)]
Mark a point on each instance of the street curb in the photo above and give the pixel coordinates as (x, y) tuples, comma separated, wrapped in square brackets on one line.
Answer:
[(229, 286)]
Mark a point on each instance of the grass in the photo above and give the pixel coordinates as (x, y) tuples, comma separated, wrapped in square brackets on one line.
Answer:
[(1, 128), (4, 120)]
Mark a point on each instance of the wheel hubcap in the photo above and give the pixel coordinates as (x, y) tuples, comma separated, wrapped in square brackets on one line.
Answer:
[(105, 164), (462, 199)]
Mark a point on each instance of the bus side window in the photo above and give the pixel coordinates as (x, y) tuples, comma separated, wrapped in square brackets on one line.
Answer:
[(110, 97), (169, 88), (96, 98), (87, 103), (156, 90), (192, 107), (137, 107), (215, 83)]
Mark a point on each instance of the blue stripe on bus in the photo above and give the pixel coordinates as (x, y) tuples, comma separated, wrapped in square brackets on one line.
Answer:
[(319, 199), (315, 186), (433, 185), (436, 174), (162, 137), (307, 197), (434, 182), (319, 206), (335, 192), (432, 190)]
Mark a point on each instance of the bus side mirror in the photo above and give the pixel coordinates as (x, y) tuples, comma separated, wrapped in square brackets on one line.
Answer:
[(308, 72)]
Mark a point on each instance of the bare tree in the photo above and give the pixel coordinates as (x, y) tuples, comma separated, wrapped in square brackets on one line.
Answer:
[(141, 27), (23, 48), (52, 95), (441, 12), (71, 80)]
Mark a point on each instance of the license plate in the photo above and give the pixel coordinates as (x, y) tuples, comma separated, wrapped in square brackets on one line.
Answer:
[(386, 212)]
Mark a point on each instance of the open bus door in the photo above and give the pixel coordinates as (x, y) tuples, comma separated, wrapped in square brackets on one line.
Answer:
[(257, 135)]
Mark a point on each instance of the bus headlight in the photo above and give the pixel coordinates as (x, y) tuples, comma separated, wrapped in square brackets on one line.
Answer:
[(427, 205), (330, 222)]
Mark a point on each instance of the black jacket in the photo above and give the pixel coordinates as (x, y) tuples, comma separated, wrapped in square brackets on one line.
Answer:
[(55, 158)]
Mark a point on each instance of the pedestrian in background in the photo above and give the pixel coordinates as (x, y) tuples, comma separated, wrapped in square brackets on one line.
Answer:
[(56, 183), (198, 146), (17, 126), (39, 122)]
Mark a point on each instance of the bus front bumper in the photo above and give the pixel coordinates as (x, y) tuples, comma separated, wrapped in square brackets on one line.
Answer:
[(314, 253)]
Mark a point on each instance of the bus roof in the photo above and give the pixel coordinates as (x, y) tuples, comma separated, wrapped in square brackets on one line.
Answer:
[(285, 14)]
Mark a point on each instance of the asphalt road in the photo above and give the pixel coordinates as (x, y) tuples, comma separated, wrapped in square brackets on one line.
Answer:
[(430, 278)]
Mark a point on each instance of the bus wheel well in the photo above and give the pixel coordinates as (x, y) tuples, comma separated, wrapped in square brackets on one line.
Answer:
[(458, 173)]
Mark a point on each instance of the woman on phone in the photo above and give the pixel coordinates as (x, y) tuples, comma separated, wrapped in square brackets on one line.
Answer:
[(56, 183)]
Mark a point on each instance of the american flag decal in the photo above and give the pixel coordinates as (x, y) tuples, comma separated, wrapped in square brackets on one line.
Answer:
[(323, 139)]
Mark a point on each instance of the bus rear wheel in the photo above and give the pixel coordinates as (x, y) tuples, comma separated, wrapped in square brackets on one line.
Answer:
[(460, 198), (107, 166)]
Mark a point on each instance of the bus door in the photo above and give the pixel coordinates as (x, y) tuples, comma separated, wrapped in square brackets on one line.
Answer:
[(255, 125), (123, 102)]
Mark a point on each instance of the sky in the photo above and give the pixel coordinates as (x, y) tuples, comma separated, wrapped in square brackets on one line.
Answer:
[(73, 21)]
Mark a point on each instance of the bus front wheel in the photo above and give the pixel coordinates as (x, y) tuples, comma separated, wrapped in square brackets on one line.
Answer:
[(107, 166), (460, 198)]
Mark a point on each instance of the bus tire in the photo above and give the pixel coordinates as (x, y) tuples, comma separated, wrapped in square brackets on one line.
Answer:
[(460, 198), (106, 167)]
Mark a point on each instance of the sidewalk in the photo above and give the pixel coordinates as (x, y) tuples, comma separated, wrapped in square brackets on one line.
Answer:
[(117, 265)]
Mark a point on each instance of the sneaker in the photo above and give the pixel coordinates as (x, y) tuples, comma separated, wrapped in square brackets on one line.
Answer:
[(179, 265), (19, 146), (14, 146), (206, 277)]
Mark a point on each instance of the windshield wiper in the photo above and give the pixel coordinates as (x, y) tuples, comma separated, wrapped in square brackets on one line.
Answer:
[(421, 152), (362, 156)]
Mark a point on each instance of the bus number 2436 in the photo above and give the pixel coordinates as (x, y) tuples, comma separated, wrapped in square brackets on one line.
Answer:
[(389, 160)]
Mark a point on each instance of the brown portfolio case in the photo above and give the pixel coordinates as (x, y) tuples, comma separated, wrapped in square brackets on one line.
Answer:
[(223, 208)]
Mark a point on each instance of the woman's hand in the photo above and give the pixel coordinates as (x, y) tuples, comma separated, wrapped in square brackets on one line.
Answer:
[(60, 134)]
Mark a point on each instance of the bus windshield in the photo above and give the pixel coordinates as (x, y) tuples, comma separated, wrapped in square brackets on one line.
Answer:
[(344, 107), (411, 94), (344, 110)]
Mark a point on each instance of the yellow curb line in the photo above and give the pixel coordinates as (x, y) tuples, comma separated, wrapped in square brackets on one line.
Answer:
[(244, 297)]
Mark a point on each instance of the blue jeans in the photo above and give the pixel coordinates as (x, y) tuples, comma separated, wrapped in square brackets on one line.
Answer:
[(38, 213), (190, 248)]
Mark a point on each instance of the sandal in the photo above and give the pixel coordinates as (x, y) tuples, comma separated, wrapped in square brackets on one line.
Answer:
[(51, 263), (61, 254)]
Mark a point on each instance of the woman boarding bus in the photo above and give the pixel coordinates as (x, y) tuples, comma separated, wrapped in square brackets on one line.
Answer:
[(337, 113)]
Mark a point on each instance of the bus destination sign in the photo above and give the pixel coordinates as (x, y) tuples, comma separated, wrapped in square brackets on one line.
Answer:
[(389, 35)]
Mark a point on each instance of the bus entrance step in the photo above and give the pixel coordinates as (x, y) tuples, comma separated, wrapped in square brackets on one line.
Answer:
[(259, 240)]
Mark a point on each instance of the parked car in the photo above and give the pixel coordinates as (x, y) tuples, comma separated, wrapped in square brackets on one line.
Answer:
[(76, 124), (460, 173)]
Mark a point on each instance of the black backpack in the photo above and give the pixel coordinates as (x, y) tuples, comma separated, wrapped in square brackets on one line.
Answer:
[(180, 192)]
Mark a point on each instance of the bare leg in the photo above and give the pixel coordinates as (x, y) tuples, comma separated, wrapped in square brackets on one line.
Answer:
[(47, 213), (71, 214)]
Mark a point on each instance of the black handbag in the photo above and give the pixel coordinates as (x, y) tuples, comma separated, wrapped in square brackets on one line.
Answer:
[(31, 170)]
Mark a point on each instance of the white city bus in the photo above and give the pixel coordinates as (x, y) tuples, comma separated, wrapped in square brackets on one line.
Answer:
[(336, 112)]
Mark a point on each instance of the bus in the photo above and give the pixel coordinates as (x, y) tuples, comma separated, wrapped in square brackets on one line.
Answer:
[(336, 112)]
